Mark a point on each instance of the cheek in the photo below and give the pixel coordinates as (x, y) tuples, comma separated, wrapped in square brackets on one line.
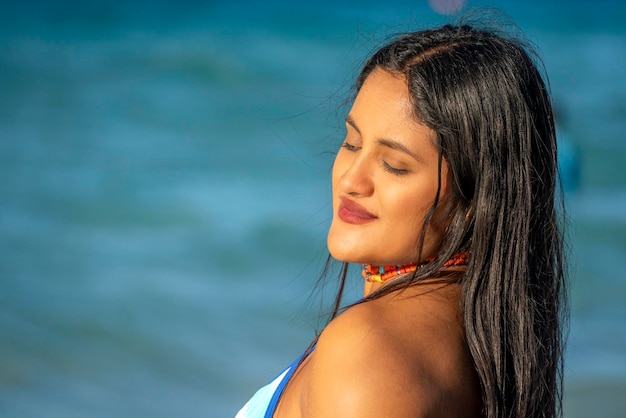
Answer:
[(412, 211), (404, 213), (409, 207)]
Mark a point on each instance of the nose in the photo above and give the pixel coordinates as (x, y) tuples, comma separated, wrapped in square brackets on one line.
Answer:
[(355, 175)]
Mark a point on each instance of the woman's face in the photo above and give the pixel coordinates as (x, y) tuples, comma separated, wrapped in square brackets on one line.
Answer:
[(384, 179)]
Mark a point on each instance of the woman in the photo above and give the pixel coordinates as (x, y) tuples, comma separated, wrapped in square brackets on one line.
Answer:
[(447, 176)]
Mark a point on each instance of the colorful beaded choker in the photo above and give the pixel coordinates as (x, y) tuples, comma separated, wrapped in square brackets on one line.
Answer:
[(380, 274)]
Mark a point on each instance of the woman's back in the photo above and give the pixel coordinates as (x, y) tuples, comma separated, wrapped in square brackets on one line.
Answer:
[(401, 355)]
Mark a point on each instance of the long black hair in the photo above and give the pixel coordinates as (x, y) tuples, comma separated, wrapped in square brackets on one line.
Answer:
[(485, 98)]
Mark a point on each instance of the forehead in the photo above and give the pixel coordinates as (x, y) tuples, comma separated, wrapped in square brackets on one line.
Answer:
[(384, 108), (386, 94)]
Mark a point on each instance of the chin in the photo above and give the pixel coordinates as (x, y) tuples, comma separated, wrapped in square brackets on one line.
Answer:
[(350, 246), (344, 250), (338, 253), (349, 253)]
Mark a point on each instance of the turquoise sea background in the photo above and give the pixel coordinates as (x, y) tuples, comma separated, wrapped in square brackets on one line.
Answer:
[(164, 193)]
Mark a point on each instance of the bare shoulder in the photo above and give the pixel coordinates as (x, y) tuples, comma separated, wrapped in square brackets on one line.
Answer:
[(394, 357)]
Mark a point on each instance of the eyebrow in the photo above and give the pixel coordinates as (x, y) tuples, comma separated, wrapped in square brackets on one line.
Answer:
[(390, 143)]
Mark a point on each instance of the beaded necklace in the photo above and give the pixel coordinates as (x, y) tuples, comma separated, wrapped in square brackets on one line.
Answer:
[(380, 274)]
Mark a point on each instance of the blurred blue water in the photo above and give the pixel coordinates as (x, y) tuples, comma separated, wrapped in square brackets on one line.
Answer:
[(164, 194)]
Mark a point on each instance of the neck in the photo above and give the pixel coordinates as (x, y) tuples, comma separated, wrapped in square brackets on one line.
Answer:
[(376, 276)]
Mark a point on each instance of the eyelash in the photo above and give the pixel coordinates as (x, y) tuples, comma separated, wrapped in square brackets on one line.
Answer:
[(388, 168), (395, 171), (349, 147)]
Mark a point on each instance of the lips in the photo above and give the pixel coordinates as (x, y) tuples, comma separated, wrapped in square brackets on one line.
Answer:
[(353, 213)]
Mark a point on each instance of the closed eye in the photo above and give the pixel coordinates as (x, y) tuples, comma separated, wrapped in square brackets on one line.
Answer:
[(394, 170), (349, 146)]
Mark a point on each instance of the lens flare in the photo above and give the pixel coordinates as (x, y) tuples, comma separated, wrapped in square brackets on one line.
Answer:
[(446, 7)]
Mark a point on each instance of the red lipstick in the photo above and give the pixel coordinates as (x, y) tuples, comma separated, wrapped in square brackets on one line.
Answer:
[(353, 213)]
